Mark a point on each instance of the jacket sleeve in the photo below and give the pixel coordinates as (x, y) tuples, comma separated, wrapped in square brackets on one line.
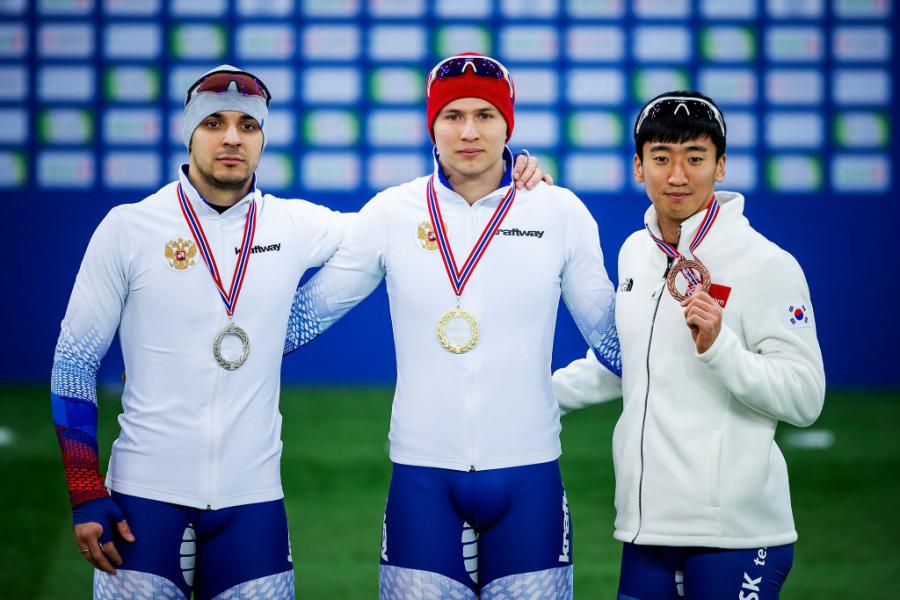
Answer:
[(347, 278), (585, 382), (586, 289), (777, 368), (86, 332), (328, 235)]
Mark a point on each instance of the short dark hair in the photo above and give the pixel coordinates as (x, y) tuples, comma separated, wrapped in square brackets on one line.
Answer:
[(679, 127)]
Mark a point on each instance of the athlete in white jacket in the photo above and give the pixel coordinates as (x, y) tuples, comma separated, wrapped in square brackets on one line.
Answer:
[(198, 279), (702, 498), (474, 273)]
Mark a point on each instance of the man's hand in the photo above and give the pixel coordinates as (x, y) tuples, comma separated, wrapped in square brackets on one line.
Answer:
[(528, 173), (703, 316), (94, 537)]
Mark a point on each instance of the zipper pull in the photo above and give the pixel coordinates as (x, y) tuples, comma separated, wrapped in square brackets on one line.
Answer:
[(656, 292), (669, 263)]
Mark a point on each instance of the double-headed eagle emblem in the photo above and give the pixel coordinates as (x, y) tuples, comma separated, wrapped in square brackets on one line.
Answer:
[(427, 238), (180, 253)]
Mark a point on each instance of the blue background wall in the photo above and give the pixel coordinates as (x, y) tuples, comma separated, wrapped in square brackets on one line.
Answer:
[(841, 230)]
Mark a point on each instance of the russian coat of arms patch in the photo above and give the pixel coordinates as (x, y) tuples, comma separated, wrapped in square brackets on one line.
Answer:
[(426, 236), (180, 253)]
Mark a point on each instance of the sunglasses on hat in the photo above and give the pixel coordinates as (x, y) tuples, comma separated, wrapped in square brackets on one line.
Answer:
[(672, 106), (456, 66), (219, 82)]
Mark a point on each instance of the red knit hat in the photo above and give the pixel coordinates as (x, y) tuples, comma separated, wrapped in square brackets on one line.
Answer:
[(499, 92)]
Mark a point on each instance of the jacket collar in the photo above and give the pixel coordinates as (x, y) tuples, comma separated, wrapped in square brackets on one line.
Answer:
[(444, 190), (731, 211), (199, 202)]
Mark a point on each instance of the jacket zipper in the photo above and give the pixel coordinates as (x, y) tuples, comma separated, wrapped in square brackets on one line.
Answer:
[(472, 403), (211, 422), (659, 296), (211, 411)]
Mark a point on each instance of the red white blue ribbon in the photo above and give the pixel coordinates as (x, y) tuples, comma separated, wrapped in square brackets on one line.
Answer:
[(712, 211), (460, 277), (240, 268)]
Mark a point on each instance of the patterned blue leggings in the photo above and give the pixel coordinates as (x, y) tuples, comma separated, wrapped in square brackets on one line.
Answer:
[(237, 552)]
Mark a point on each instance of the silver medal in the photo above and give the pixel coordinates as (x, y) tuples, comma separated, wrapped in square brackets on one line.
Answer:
[(231, 329)]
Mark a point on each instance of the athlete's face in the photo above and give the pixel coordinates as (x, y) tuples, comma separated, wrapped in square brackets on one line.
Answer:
[(225, 149), (679, 178), (470, 134)]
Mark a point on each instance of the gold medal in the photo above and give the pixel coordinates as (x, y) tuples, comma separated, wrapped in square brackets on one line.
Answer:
[(459, 277), (457, 313), (696, 270)]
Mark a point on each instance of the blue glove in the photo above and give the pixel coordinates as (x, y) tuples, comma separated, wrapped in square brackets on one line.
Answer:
[(101, 510)]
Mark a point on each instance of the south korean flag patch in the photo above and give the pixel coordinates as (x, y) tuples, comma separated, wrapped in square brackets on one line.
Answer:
[(798, 314)]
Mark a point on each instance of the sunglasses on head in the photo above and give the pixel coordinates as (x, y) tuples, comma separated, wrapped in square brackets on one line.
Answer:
[(456, 66), (672, 106), (219, 82)]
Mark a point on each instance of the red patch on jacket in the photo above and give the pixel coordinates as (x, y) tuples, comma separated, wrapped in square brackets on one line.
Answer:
[(720, 293)]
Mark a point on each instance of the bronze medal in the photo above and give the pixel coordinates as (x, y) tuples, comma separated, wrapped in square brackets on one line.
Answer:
[(689, 269)]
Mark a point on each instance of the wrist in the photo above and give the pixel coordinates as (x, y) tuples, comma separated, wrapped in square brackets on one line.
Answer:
[(719, 346), (95, 510), (82, 496)]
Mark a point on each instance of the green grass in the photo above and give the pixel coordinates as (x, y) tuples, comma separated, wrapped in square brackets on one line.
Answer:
[(335, 471)]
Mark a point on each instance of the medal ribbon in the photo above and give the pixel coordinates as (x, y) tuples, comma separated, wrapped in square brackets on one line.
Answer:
[(459, 278), (240, 268), (712, 211)]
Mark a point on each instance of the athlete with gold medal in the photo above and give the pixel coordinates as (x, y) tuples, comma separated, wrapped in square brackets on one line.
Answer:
[(476, 504)]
